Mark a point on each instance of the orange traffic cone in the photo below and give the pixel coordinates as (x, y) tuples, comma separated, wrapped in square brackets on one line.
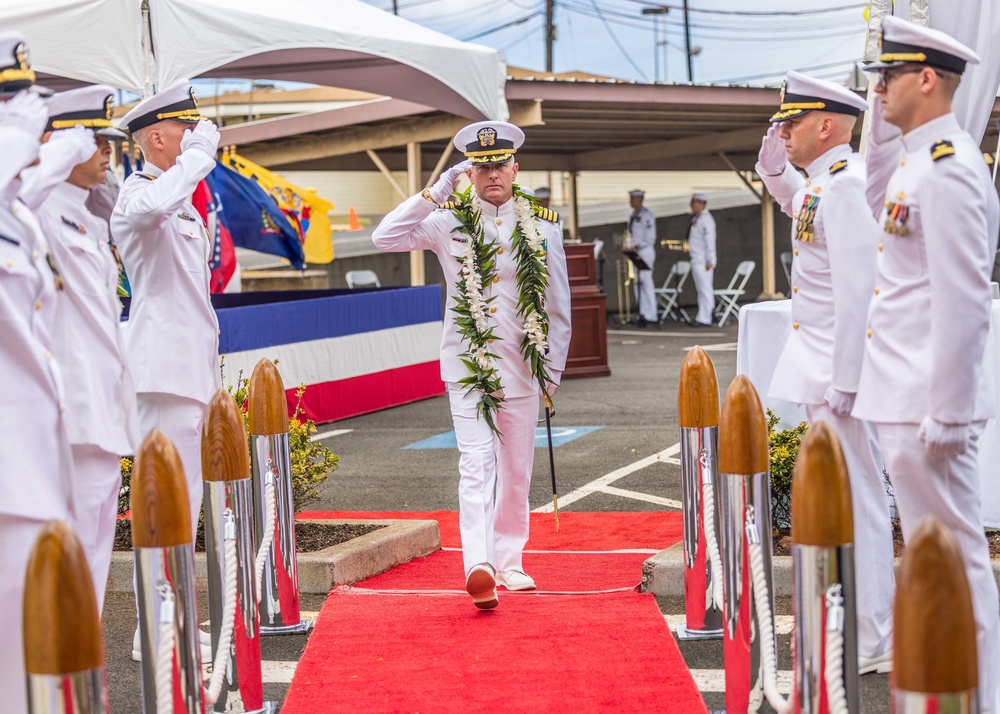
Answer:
[(352, 220)]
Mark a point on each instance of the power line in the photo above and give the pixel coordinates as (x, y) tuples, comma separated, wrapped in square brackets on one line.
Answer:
[(614, 37), (781, 73), (504, 26), (759, 13)]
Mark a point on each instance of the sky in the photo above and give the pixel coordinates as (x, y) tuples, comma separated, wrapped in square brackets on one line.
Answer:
[(741, 41)]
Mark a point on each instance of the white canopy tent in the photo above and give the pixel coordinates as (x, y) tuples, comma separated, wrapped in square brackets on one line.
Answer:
[(341, 43)]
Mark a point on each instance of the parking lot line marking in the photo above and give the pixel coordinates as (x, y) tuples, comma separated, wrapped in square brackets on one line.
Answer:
[(635, 495), (277, 672), (783, 624), (328, 434), (608, 479), (718, 347)]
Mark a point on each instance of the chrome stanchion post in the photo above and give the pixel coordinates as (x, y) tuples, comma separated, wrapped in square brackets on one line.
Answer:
[(698, 412), (63, 641), (270, 460), (744, 485), (166, 590), (228, 505)]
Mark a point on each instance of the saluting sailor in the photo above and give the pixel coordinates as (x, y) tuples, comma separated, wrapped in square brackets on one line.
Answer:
[(101, 415), (171, 340), (36, 477), (921, 379), (833, 273), (504, 343), (642, 232), (702, 248)]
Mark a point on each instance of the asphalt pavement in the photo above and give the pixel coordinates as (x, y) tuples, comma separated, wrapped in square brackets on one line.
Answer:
[(400, 460)]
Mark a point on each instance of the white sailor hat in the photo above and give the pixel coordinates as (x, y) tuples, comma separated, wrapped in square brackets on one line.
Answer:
[(801, 94), (903, 42), (636, 193), (89, 106), (543, 192), (177, 102), (15, 66), (703, 197), (489, 142)]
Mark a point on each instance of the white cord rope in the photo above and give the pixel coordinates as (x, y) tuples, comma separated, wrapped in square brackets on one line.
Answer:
[(708, 508), (270, 516), (836, 695), (165, 653), (221, 664), (765, 622)]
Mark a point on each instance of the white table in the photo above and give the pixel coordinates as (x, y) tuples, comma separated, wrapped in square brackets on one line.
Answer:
[(765, 326)]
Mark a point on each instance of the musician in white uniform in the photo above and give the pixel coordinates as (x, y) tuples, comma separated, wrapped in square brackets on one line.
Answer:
[(492, 395), (101, 415), (921, 378), (833, 273), (701, 242), (642, 229), (35, 469)]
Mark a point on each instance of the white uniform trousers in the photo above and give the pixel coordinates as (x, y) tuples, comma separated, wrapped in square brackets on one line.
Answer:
[(98, 477), (180, 419), (949, 490), (17, 538), (873, 553), (645, 295), (494, 478), (705, 286)]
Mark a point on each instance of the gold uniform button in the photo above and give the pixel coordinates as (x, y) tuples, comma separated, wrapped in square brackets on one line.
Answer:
[(35, 255), (38, 305), (869, 333), (795, 288), (48, 355), (218, 332), (493, 309), (499, 222), (10, 263), (795, 325), (62, 407), (879, 247), (496, 278), (500, 251), (876, 289), (796, 251)]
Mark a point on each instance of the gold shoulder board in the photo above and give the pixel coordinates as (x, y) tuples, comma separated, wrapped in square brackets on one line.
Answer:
[(547, 214), (941, 149), (838, 167), (148, 177), (449, 205)]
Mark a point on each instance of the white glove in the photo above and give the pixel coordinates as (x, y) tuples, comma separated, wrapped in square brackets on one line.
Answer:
[(447, 181), (76, 145), (773, 156), (27, 112), (881, 130), (943, 441), (840, 403), (204, 138)]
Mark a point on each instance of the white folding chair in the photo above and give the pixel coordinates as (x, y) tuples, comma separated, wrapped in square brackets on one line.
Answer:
[(668, 295), (362, 279), (786, 265), (726, 298)]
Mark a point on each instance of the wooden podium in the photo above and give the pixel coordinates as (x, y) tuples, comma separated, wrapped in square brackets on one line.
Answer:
[(588, 348)]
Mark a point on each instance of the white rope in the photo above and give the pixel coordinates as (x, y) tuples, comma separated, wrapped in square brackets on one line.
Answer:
[(269, 519), (165, 653), (221, 664), (765, 622), (708, 508), (836, 695)]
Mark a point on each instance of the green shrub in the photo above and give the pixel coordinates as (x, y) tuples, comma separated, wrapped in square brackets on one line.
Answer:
[(784, 447)]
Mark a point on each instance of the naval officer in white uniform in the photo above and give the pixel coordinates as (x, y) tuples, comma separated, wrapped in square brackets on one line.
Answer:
[(642, 232), (494, 528), (834, 241), (35, 470), (921, 379), (101, 416), (701, 242)]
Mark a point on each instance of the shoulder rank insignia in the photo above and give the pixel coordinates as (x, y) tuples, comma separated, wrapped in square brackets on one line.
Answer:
[(804, 229), (449, 205), (12, 241), (838, 166), (941, 149), (74, 226), (148, 177), (547, 214)]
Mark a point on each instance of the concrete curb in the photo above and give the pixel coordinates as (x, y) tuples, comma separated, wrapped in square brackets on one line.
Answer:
[(663, 574), (341, 564)]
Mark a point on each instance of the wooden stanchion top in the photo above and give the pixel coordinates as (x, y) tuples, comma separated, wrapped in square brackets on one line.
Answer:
[(161, 513), (62, 630), (268, 409), (225, 455), (698, 391), (743, 447), (934, 633), (821, 491)]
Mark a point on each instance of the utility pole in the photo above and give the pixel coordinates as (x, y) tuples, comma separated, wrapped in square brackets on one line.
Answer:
[(687, 40), (550, 32), (654, 11), (395, 7)]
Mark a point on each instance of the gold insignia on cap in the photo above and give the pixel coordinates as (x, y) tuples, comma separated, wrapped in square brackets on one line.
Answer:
[(109, 106), (194, 99), (22, 56), (487, 136), (784, 88)]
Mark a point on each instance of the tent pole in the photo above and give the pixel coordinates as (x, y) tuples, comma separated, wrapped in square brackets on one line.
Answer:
[(574, 216), (384, 170), (148, 56), (414, 186), (439, 166), (767, 245)]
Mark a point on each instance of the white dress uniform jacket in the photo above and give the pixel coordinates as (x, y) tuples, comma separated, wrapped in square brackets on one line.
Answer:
[(930, 312), (171, 341), (642, 227), (416, 224), (701, 248), (833, 272)]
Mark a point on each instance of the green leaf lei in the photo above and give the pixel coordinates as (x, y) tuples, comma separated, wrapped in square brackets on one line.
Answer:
[(472, 309)]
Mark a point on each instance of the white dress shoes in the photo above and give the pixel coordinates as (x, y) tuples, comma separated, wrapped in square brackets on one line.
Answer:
[(879, 664), (481, 584), (515, 580)]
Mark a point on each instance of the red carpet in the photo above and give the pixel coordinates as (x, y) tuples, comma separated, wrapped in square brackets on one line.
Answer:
[(385, 646)]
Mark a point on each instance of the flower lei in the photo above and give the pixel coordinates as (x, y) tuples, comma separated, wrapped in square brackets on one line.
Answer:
[(472, 308)]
